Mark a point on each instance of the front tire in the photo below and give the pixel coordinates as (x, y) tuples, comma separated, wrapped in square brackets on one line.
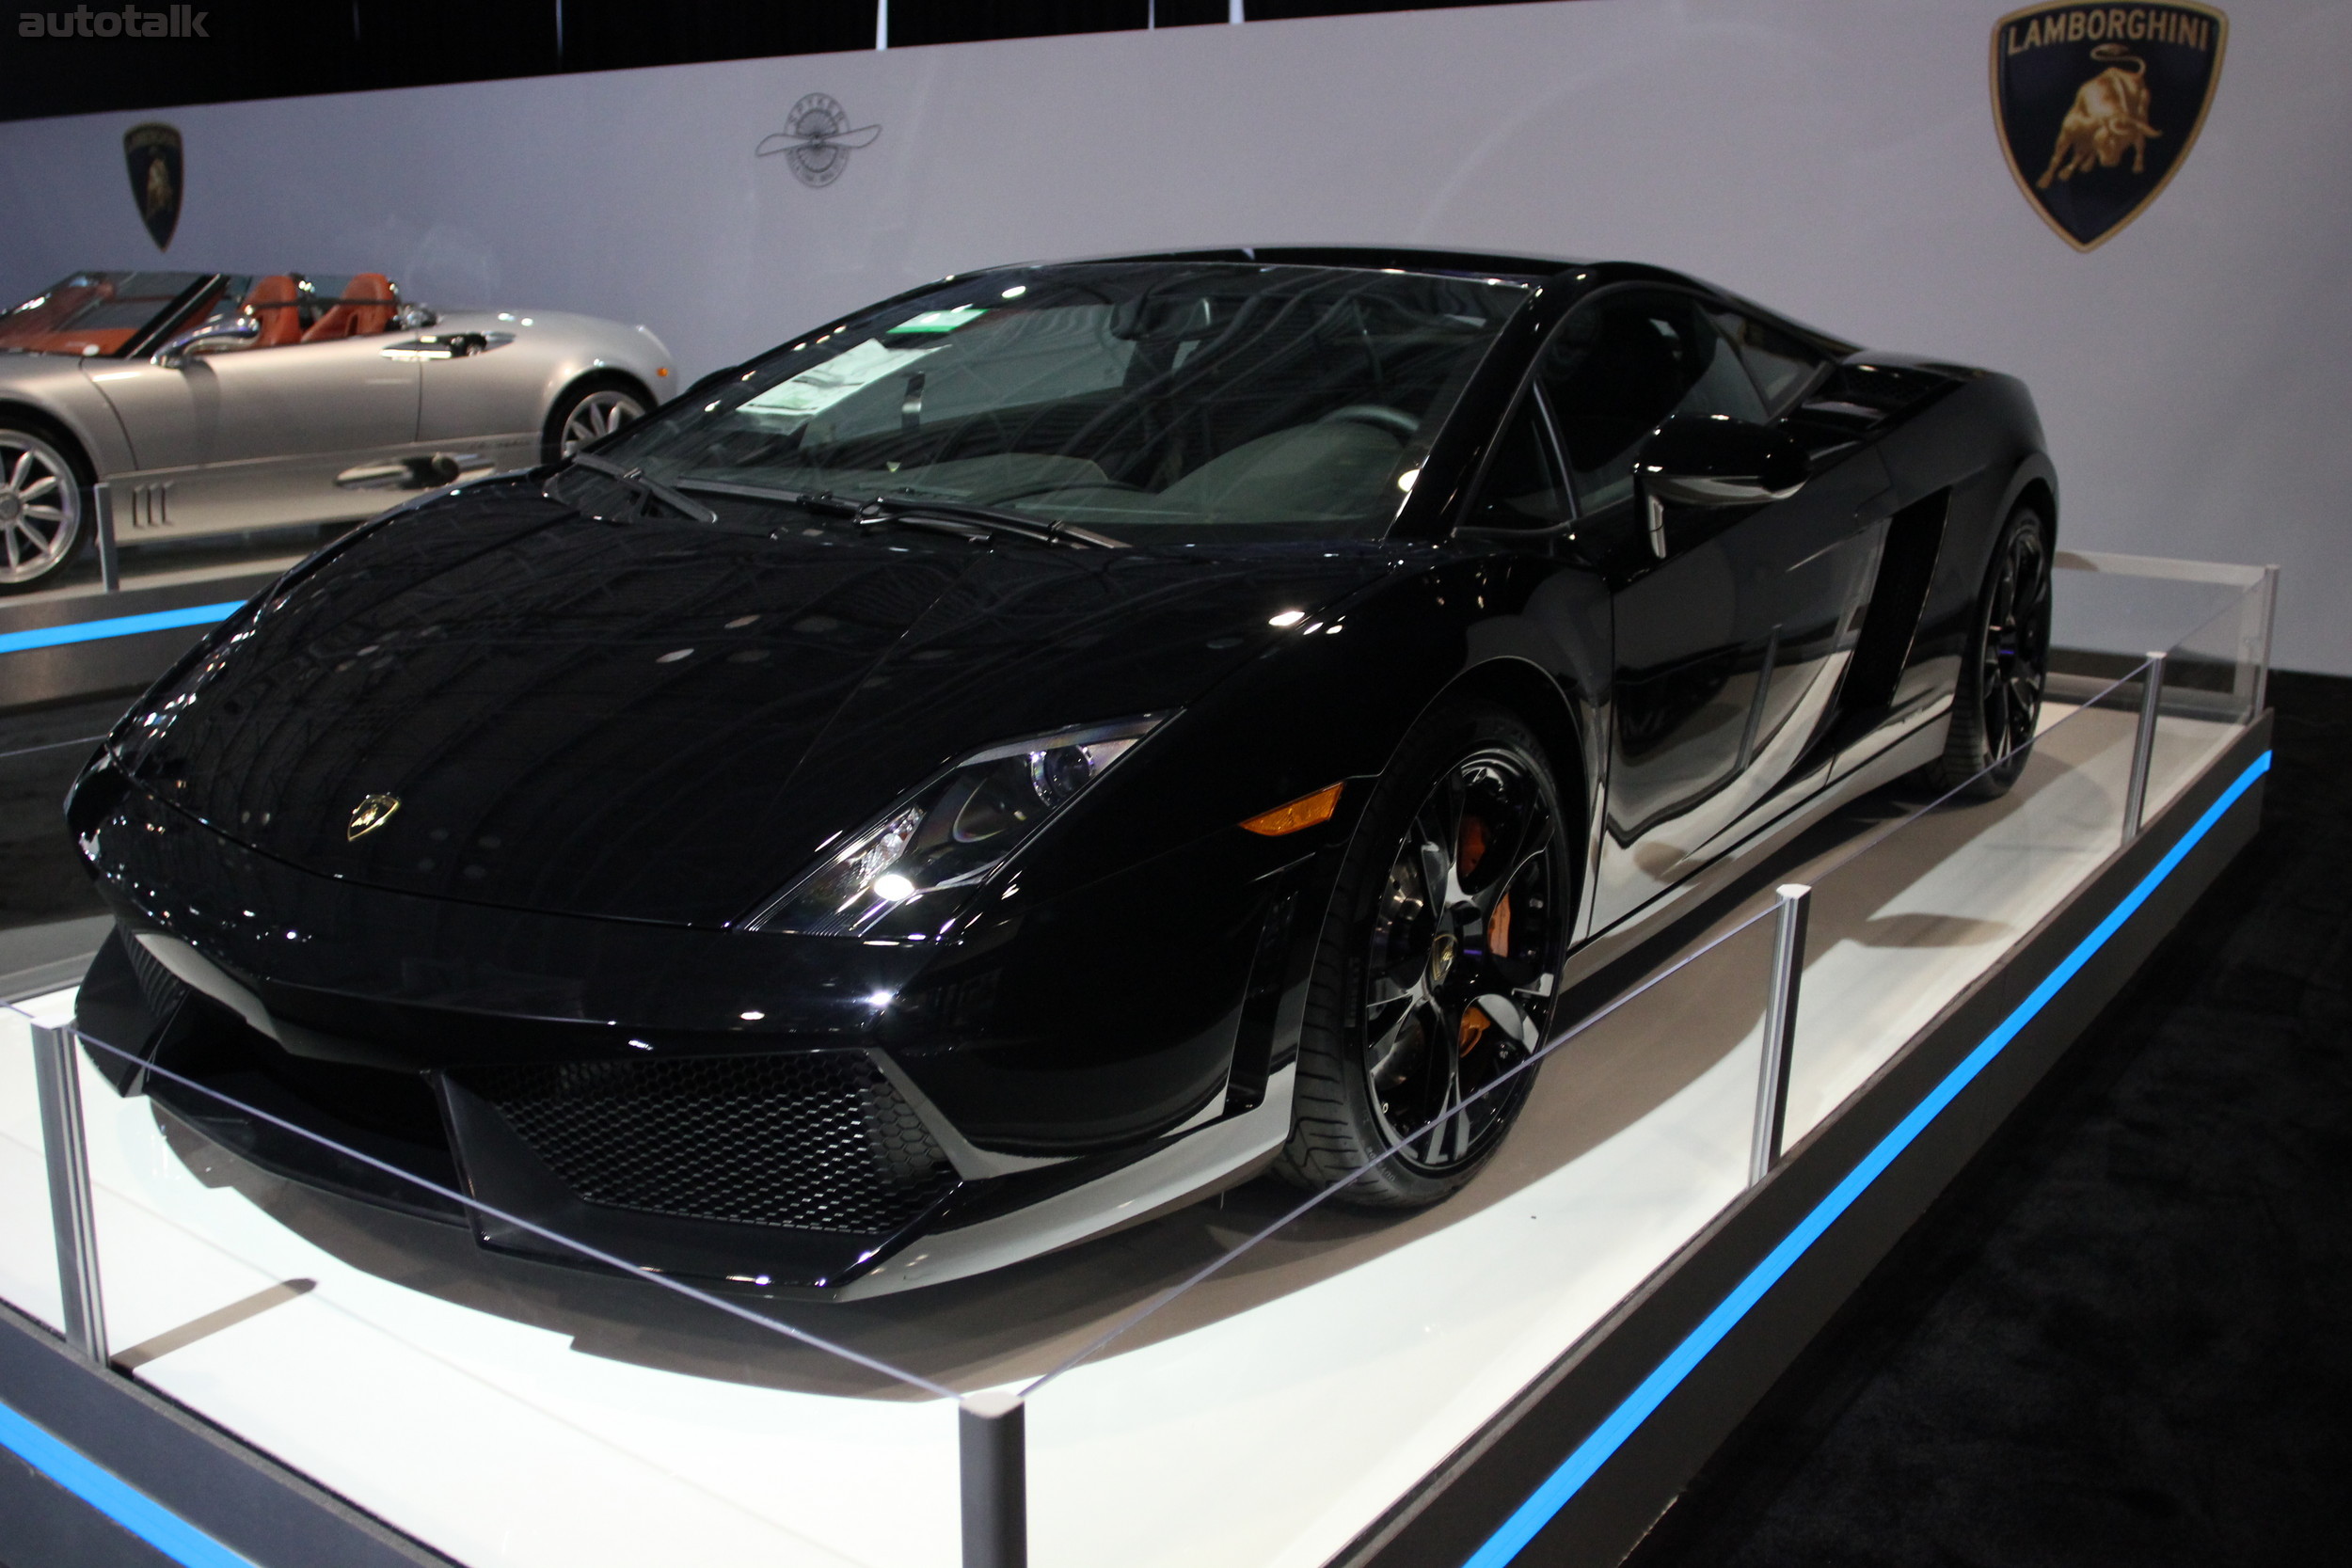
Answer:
[(1422, 994), (1997, 707), (42, 484), (588, 412)]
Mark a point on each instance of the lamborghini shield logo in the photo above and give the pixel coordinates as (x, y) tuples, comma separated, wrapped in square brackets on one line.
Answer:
[(154, 153), (2098, 105), (369, 814)]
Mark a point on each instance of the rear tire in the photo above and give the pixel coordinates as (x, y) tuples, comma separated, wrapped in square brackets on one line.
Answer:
[(44, 490), (1414, 1004), (1997, 706)]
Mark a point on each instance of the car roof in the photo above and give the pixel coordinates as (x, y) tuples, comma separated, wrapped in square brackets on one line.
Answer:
[(1508, 266), (1518, 269)]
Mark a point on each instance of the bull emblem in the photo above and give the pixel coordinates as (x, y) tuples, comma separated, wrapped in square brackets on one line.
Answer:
[(158, 196), (2098, 105), (2109, 119)]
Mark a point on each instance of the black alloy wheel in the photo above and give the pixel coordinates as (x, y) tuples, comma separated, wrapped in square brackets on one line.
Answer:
[(1997, 709), (1440, 963)]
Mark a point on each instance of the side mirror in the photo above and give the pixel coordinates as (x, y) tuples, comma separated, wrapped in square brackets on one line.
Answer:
[(205, 340), (413, 317), (1712, 460)]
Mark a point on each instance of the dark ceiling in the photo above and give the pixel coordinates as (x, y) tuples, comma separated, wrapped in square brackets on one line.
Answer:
[(282, 47)]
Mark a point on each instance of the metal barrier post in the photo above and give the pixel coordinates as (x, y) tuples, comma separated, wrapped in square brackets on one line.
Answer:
[(2143, 747), (58, 1081), (109, 559), (990, 1445), (2270, 618), (1780, 1030)]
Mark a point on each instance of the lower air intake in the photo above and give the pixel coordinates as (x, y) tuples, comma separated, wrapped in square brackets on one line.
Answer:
[(817, 1141), (158, 987)]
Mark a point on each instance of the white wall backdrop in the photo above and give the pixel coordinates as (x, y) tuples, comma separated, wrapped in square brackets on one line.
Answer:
[(1836, 158)]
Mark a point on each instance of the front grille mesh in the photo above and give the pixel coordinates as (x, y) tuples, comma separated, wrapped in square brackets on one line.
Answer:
[(816, 1141)]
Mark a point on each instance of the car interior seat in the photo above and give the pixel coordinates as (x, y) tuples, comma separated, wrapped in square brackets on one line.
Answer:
[(364, 310), (276, 302), (1304, 473)]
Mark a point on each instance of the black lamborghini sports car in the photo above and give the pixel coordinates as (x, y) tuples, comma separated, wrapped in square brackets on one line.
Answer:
[(1048, 747)]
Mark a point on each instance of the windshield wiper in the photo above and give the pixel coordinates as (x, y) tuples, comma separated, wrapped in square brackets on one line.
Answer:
[(966, 516), (635, 478), (807, 500), (958, 519)]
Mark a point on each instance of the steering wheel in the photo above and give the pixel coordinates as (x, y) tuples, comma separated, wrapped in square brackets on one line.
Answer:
[(1378, 414)]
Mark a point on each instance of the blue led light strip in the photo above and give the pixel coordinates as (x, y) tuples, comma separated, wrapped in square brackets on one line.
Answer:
[(1579, 1467), (117, 625), (115, 1498)]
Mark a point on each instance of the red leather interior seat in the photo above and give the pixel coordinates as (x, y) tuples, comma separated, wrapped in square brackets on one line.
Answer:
[(273, 301), (364, 310)]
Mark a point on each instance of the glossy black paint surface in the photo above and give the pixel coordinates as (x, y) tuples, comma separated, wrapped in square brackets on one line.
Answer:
[(614, 739)]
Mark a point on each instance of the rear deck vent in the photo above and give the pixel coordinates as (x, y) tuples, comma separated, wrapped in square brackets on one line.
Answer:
[(816, 1141)]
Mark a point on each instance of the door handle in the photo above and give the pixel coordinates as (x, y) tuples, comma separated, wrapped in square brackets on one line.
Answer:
[(450, 345)]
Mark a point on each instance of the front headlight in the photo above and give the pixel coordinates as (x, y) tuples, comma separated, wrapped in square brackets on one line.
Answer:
[(953, 831)]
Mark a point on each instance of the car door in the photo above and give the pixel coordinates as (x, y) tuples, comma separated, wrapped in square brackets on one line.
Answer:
[(1702, 600), (1811, 566), (485, 392), (256, 437)]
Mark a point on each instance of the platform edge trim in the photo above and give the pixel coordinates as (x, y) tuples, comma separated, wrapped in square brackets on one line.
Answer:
[(108, 1493), (1579, 1467), (118, 625)]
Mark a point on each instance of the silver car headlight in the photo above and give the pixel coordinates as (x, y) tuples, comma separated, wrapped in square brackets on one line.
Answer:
[(953, 831)]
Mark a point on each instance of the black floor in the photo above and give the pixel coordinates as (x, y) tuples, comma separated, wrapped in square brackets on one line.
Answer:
[(2125, 1336)]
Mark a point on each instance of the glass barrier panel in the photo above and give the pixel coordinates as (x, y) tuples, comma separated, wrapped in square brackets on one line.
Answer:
[(28, 1250), (2213, 678), (2127, 605), (502, 1409), (1906, 916), (2112, 610), (1293, 1364), (2211, 671)]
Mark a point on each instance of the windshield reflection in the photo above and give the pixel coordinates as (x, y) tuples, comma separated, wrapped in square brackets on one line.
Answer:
[(1145, 399)]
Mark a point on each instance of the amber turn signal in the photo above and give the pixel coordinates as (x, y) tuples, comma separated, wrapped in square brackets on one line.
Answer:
[(1305, 812)]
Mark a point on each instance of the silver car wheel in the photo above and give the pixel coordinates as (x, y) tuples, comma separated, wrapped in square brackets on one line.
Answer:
[(597, 415), (40, 507)]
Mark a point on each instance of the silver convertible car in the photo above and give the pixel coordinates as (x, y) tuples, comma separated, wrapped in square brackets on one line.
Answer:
[(211, 403)]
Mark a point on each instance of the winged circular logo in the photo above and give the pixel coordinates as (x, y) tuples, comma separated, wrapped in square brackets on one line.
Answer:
[(817, 139), (2098, 105), (369, 814)]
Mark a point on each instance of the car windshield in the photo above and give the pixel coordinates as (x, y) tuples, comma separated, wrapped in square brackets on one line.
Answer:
[(1147, 401), (95, 313)]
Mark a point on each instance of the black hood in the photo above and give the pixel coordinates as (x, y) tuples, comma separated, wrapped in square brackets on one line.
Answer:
[(661, 720)]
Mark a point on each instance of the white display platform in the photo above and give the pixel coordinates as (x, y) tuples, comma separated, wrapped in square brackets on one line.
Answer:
[(510, 1413)]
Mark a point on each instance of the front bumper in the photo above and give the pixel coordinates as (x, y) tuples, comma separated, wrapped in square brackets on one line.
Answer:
[(725, 1105)]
